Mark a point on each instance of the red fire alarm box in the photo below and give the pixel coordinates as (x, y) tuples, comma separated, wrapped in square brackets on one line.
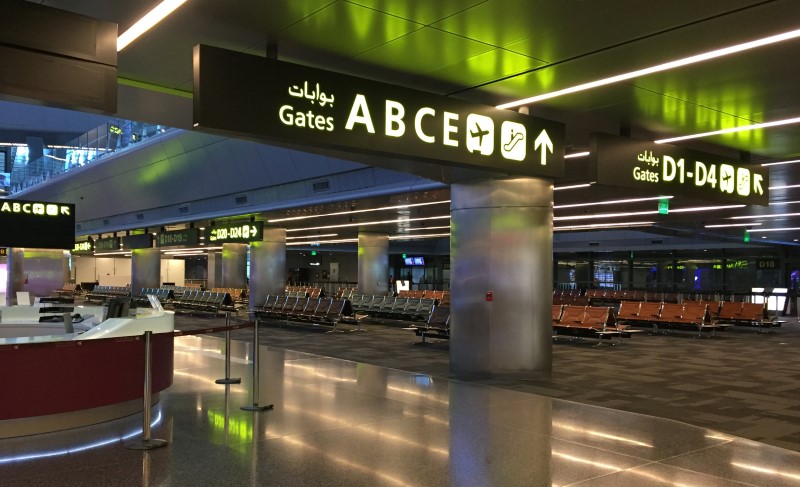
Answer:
[(488, 295)]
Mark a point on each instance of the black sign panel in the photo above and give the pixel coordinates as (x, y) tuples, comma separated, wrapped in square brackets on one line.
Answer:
[(142, 241), (245, 94), (240, 232), (668, 169), (106, 244), (85, 247), (37, 224), (189, 236)]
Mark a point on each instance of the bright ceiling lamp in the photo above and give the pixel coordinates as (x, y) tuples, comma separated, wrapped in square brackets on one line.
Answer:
[(787, 229), (147, 22), (793, 161), (575, 155), (350, 212), (658, 68), (613, 202), (726, 225), (600, 226), (731, 130), (772, 203)]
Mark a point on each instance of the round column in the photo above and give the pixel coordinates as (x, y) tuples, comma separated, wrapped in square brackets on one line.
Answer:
[(234, 265), (267, 266), (501, 243), (373, 263)]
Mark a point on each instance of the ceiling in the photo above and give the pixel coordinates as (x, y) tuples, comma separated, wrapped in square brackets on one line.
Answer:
[(495, 51)]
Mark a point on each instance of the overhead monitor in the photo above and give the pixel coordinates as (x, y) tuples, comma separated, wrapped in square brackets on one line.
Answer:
[(414, 261)]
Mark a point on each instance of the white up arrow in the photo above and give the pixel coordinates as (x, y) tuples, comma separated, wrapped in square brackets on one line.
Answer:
[(547, 145), (757, 178)]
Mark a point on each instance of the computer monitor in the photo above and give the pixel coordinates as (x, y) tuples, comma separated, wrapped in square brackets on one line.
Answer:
[(118, 307)]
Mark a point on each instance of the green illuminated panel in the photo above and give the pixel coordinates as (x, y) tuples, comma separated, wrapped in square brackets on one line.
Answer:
[(240, 232)]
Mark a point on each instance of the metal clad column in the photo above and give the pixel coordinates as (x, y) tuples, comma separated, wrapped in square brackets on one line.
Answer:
[(373, 263), (501, 242), (15, 281), (37, 271), (267, 266), (145, 269), (234, 265)]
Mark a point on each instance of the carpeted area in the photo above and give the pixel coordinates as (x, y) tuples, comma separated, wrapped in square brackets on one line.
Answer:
[(739, 382)]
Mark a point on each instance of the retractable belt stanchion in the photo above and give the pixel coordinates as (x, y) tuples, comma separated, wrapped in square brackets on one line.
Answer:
[(255, 406), (228, 379), (145, 442)]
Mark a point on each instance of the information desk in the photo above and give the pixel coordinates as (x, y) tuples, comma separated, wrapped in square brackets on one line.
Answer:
[(60, 381)]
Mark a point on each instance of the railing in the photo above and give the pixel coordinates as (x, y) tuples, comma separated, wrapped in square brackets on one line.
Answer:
[(108, 138)]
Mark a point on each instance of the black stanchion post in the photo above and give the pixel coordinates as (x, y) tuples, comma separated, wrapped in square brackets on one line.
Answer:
[(145, 442), (255, 406), (228, 379)]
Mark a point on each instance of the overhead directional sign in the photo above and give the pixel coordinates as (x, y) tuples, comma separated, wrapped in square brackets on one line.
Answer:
[(669, 169), (175, 238), (242, 94), (37, 224), (239, 232)]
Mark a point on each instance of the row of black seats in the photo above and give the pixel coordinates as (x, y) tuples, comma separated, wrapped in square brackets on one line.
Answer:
[(318, 311), (197, 300), (393, 307)]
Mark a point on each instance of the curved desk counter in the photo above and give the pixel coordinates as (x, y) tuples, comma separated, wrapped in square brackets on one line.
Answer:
[(55, 382)]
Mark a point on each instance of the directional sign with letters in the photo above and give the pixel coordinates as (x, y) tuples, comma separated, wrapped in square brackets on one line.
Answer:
[(238, 93), (669, 169)]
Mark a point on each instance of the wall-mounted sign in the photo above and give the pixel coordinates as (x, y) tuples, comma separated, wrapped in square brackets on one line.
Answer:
[(3, 252), (84, 247), (669, 169), (106, 244), (245, 94), (37, 224), (141, 241), (189, 236), (240, 232)]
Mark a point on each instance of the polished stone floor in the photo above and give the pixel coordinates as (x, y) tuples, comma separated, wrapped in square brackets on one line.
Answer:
[(338, 422)]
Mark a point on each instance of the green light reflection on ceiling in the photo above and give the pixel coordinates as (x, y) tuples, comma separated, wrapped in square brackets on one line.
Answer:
[(685, 110)]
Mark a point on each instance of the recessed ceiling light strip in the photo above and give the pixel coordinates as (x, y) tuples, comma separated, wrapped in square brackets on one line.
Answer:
[(755, 217), (731, 130), (575, 155), (599, 226), (314, 236), (788, 186), (612, 202), (572, 186), (349, 212), (658, 68), (726, 225), (787, 229), (150, 19), (794, 161), (382, 222)]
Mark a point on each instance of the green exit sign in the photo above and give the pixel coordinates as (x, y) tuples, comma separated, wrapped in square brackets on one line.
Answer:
[(313, 252), (663, 206), (746, 236)]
